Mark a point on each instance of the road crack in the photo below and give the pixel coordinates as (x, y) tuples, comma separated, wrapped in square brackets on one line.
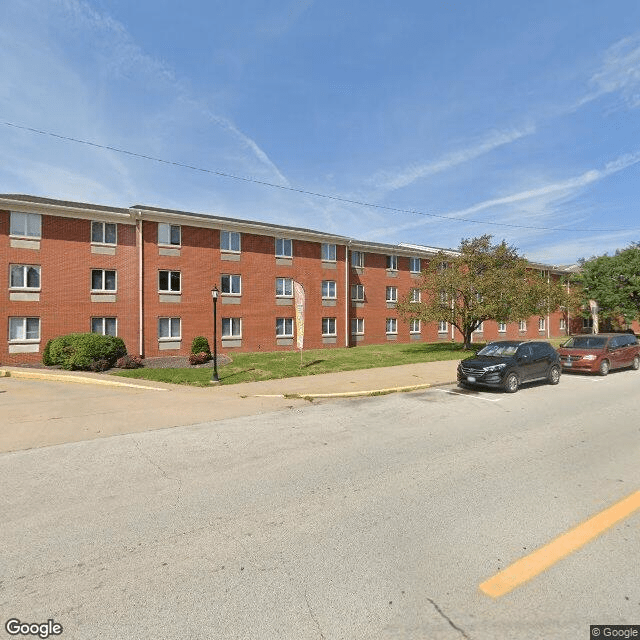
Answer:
[(448, 619), (313, 617)]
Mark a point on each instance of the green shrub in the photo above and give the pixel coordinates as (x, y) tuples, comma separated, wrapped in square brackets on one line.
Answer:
[(46, 356), (84, 350), (200, 344)]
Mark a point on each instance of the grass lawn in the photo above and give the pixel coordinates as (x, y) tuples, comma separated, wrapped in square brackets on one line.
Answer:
[(249, 367)]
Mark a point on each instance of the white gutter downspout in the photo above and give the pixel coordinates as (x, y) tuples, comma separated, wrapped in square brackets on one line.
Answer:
[(140, 284), (346, 294)]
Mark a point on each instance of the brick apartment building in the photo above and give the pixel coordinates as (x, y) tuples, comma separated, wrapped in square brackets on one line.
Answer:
[(146, 275)]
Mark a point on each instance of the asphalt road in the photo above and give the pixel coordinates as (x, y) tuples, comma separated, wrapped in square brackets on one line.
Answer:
[(363, 518)]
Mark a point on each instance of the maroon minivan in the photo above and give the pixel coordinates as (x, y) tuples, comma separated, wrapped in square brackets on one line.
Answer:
[(600, 353)]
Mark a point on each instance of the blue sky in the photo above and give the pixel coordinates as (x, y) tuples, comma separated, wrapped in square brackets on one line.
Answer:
[(476, 113)]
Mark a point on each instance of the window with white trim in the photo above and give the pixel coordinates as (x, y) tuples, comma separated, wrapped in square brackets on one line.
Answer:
[(522, 325), (169, 234), (24, 329), (357, 259), (284, 327), (103, 232), (231, 285), (284, 248), (392, 294), (587, 324), (169, 282), (392, 325), (329, 327), (414, 265), (443, 326), (103, 280), (502, 327), (479, 328), (415, 295), (392, 262), (563, 324), (230, 241), (329, 289), (232, 328), (328, 252), (24, 276), (284, 288), (169, 329), (104, 326), (414, 326), (25, 225), (444, 298), (357, 326), (541, 324), (357, 292)]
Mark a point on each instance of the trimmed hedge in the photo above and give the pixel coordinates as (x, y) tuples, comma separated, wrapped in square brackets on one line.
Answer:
[(200, 344), (85, 351)]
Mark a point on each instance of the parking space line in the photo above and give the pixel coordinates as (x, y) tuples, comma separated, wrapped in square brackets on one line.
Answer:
[(467, 395), (535, 563)]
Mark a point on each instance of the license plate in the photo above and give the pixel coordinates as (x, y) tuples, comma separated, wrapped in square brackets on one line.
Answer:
[(471, 379), (568, 364)]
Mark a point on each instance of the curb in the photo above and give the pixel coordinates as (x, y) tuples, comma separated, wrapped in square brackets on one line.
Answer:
[(348, 394)]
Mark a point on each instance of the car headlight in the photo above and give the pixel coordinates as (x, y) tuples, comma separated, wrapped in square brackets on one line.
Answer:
[(495, 367), (589, 357)]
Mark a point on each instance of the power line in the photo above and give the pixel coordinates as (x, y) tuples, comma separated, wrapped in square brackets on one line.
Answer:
[(315, 194)]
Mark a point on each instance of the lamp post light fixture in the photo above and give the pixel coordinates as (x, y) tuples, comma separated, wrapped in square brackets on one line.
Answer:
[(214, 295)]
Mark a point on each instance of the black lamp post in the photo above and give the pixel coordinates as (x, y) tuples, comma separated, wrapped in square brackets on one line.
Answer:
[(214, 295)]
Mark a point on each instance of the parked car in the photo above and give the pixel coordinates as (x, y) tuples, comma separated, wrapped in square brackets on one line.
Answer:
[(600, 353), (509, 363)]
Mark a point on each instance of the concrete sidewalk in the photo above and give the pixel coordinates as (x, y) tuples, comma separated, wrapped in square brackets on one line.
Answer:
[(42, 407)]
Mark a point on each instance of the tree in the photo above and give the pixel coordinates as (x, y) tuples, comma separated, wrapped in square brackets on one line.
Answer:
[(480, 282), (614, 283)]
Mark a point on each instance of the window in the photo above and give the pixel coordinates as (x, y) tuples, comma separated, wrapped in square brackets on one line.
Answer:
[(443, 297), (230, 241), (392, 294), (104, 326), (563, 324), (502, 327), (103, 280), (103, 232), (328, 252), (284, 288), (169, 281), (168, 234), (357, 326), (414, 265), (24, 329), (392, 262), (284, 248), (541, 324), (392, 325), (232, 327), (27, 225), (284, 327), (479, 328), (443, 326), (24, 276), (415, 295), (169, 328), (357, 292), (443, 266), (329, 327), (587, 324), (414, 326), (231, 285), (522, 325), (328, 289), (357, 259)]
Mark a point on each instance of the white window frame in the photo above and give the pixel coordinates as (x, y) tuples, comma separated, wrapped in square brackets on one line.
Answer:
[(329, 290), (502, 327), (287, 291), (171, 323), (416, 295), (232, 328), (284, 327), (231, 281), (327, 323), (392, 294), (23, 323), (392, 327), (412, 265), (357, 292), (522, 325), (328, 252), (392, 262), (103, 321), (169, 228), (542, 324), (97, 224), (357, 259), (25, 279), (479, 328), (31, 226), (358, 323), (284, 248), (227, 241), (443, 326), (104, 280), (563, 324), (169, 284), (587, 323), (414, 326)]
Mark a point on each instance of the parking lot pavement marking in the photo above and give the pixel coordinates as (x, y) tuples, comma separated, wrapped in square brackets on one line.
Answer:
[(467, 395), (535, 563)]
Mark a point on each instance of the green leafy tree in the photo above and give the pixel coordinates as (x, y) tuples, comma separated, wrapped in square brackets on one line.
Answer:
[(479, 282), (614, 283)]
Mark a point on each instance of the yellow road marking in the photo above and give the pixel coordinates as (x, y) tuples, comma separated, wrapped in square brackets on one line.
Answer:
[(538, 561)]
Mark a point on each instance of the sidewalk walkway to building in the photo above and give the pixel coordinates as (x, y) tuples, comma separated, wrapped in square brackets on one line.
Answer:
[(45, 407)]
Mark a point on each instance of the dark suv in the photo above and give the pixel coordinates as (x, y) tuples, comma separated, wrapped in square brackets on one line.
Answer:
[(509, 363)]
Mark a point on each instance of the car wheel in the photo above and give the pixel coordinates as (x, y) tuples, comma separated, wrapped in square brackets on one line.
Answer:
[(636, 363), (604, 367), (554, 374), (511, 383)]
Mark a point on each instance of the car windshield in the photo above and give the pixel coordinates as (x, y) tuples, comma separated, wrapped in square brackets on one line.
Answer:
[(585, 342), (498, 350)]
